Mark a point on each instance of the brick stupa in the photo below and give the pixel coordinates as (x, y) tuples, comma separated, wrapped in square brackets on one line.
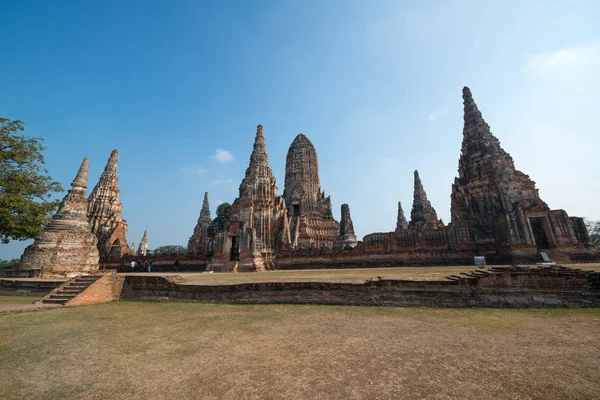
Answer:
[(67, 246), (200, 240)]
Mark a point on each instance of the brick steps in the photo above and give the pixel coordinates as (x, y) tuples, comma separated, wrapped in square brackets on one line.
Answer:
[(70, 290)]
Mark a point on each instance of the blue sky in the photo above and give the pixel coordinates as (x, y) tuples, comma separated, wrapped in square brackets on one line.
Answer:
[(178, 88)]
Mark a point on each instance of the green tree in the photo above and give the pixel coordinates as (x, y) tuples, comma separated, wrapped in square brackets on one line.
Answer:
[(593, 228), (221, 219), (25, 189), (170, 249), (5, 264)]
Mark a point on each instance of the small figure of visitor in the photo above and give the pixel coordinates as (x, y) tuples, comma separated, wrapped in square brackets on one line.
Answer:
[(132, 265), (176, 266), (146, 266), (150, 266)]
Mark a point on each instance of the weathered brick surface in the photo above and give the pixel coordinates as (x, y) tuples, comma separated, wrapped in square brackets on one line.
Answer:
[(309, 209), (105, 211), (105, 289), (507, 288), (25, 287), (67, 246)]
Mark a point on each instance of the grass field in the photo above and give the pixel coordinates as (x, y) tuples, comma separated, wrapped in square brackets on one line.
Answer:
[(339, 275), (145, 350), (13, 300)]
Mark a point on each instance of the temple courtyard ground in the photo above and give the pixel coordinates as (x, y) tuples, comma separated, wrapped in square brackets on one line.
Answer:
[(152, 350), (334, 275)]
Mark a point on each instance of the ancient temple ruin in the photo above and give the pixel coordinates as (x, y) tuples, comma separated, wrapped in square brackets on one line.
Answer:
[(200, 241), (67, 246), (347, 238), (310, 211), (105, 211), (258, 221), (143, 247), (423, 214), (496, 212), (401, 222), (500, 203)]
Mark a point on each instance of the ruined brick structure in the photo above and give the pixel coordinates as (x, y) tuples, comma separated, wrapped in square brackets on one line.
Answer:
[(105, 211), (258, 221), (496, 212), (423, 214), (401, 222), (501, 204), (310, 211), (347, 238), (199, 241), (143, 247), (67, 245)]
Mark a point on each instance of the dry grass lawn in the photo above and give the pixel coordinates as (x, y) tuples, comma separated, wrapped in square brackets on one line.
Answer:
[(338, 275), (145, 350), (12, 300)]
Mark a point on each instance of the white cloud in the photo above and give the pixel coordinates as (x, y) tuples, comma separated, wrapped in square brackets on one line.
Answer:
[(193, 170), (567, 62), (434, 116), (223, 156)]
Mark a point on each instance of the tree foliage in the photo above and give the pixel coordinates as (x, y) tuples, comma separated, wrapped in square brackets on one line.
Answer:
[(170, 249), (6, 264), (222, 218), (593, 228), (25, 189)]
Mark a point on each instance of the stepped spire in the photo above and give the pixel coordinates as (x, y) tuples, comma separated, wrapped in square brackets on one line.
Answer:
[(199, 240), (259, 155), (105, 211), (488, 184), (143, 248), (347, 237), (422, 213), (66, 246), (81, 179), (259, 181), (472, 115), (401, 222), (205, 212)]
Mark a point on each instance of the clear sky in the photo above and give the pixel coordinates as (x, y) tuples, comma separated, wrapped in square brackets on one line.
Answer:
[(178, 88)]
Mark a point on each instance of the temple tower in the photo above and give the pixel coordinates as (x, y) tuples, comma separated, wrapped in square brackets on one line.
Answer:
[(105, 211), (422, 215), (199, 241), (347, 238), (258, 224), (499, 202), (143, 248), (401, 222), (310, 211), (67, 245)]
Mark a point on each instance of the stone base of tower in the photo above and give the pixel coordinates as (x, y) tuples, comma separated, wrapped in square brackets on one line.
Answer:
[(246, 263), (61, 254)]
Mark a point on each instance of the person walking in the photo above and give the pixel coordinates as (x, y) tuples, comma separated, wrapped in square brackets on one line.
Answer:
[(150, 266), (176, 266), (132, 265)]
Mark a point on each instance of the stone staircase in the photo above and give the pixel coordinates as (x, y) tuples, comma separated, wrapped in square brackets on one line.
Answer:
[(70, 289)]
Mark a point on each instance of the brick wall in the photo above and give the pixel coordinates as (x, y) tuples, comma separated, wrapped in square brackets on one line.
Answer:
[(508, 288), (105, 289)]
